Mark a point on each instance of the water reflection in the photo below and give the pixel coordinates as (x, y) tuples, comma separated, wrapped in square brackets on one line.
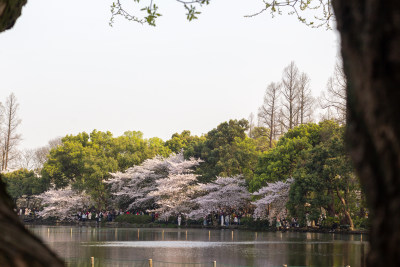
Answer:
[(121, 246)]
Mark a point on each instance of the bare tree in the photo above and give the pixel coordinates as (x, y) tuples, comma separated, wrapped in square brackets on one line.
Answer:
[(281, 128), (306, 100), (9, 134), (55, 142), (40, 156), (26, 159), (42, 153), (268, 112), (334, 99), (34, 159), (251, 124), (290, 92)]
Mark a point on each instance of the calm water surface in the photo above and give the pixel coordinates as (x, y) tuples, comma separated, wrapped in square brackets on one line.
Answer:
[(133, 247)]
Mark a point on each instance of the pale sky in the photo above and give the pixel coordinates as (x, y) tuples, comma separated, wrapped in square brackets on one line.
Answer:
[(72, 72)]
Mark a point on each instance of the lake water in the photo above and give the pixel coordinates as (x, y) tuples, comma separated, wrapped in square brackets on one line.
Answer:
[(184, 247)]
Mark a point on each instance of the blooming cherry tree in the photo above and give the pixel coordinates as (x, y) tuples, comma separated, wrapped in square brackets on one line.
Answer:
[(155, 183), (133, 185), (174, 194), (63, 203), (274, 194), (226, 193)]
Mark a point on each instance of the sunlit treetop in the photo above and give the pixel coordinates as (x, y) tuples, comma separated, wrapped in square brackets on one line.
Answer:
[(313, 13)]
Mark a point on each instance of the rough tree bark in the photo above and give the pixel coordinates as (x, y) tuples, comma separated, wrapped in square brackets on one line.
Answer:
[(18, 247), (370, 39)]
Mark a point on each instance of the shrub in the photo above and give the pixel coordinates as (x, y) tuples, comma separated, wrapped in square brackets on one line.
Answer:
[(135, 219), (361, 222), (173, 219), (329, 221), (195, 222), (167, 221), (251, 223)]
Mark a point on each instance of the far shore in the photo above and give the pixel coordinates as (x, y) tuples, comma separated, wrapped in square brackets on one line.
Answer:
[(195, 226)]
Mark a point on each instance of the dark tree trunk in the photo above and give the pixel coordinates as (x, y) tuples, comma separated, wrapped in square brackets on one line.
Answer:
[(18, 247), (330, 209), (370, 39), (345, 209)]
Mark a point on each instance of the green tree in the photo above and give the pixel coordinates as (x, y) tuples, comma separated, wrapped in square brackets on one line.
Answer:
[(156, 146), (240, 157), (226, 151), (279, 163), (315, 156), (261, 137), (65, 163), (97, 169), (132, 149), (129, 149), (325, 178), (24, 182), (86, 160), (184, 141)]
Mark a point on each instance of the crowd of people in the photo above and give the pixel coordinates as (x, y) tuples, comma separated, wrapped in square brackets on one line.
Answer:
[(221, 218), (108, 216), (26, 212), (225, 218), (282, 223), (98, 216)]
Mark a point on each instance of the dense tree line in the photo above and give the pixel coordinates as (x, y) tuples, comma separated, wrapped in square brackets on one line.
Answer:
[(312, 155), (306, 175)]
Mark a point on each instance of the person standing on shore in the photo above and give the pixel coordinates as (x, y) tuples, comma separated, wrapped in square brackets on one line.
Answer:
[(278, 223), (227, 219)]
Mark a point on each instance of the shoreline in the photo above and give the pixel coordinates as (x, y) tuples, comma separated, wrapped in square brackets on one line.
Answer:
[(175, 226)]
